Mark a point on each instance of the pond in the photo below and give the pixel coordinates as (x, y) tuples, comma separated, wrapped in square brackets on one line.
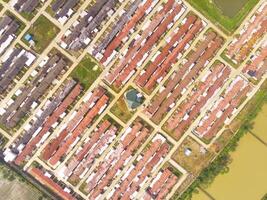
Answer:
[(247, 178), (230, 7), (259, 124)]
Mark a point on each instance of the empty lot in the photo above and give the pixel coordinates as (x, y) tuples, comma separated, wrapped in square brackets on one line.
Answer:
[(13, 187)]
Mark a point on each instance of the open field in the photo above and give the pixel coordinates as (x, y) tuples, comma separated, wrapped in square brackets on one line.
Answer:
[(230, 8), (86, 72), (212, 12), (13, 187), (120, 109), (43, 32), (197, 160)]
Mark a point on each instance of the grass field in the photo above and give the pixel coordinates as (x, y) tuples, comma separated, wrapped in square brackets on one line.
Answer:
[(14, 187), (120, 110), (213, 13), (86, 72), (43, 32), (28, 16)]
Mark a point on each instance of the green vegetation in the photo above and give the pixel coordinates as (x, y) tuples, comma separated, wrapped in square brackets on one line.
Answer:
[(112, 121), (82, 188), (242, 125), (43, 32), (14, 186), (7, 174), (230, 61), (212, 12), (174, 170), (264, 197), (3, 127), (86, 72), (49, 9), (121, 110), (28, 16), (3, 140)]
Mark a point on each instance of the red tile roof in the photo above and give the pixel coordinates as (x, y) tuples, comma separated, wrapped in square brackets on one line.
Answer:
[(54, 144), (258, 65), (169, 52), (39, 175), (197, 99), (125, 183), (212, 122), (255, 29), (150, 42), (156, 187), (135, 185), (85, 158), (106, 170), (48, 124), (140, 12), (88, 118), (171, 84), (137, 43), (184, 78)]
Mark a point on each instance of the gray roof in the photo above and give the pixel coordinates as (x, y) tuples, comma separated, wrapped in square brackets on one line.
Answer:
[(26, 5), (65, 8), (117, 26), (33, 91)]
